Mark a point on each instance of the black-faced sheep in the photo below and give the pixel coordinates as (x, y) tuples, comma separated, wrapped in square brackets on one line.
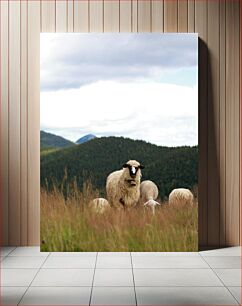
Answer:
[(148, 194), (181, 197), (99, 205), (123, 186)]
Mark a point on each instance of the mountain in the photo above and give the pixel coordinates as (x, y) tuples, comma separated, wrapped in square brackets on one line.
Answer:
[(48, 140), (85, 138), (168, 167)]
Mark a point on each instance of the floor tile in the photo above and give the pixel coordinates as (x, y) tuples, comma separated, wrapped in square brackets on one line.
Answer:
[(113, 277), (114, 262), (4, 251), (231, 251), (236, 292), (28, 251), (175, 277), (17, 277), (169, 262), (23, 262), (113, 296), (64, 277), (57, 296), (184, 296), (114, 254), (70, 262), (11, 295), (73, 254), (230, 277), (185, 254), (232, 262)]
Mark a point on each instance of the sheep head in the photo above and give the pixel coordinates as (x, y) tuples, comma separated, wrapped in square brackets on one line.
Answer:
[(132, 172)]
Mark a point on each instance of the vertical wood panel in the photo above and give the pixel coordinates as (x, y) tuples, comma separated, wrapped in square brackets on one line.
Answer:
[(213, 123), (191, 16), (201, 28), (111, 16), (144, 16), (96, 16), (23, 125), (61, 15), (170, 15), (70, 16), (125, 16), (182, 16), (81, 16), (157, 16), (134, 15), (33, 122), (232, 121), (14, 122), (4, 122), (48, 17), (222, 120)]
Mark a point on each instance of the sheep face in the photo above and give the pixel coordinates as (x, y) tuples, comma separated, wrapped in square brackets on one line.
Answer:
[(132, 171)]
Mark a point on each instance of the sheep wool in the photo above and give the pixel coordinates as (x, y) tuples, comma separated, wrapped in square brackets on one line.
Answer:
[(180, 197), (148, 191), (99, 205), (123, 186)]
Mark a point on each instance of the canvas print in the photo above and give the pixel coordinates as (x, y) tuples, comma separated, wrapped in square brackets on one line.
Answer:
[(119, 142)]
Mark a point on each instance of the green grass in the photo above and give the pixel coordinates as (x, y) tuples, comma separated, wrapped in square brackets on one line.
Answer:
[(70, 225)]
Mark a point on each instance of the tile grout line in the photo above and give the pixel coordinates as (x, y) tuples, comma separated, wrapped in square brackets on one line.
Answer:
[(90, 299), (221, 281), (33, 278), (135, 295)]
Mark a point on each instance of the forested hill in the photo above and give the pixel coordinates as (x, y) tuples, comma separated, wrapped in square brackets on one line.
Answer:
[(48, 140), (167, 167)]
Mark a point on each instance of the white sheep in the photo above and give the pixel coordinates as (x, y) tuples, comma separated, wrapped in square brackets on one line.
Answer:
[(99, 205), (123, 186), (181, 197), (148, 194)]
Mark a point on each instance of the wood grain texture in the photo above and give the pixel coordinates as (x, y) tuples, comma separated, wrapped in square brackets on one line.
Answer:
[(48, 16), (96, 16), (33, 123), (157, 16), (125, 16), (213, 124), (201, 28), (191, 16), (222, 121), (14, 121), (111, 16), (24, 123), (144, 16), (61, 15), (182, 16), (4, 155), (232, 122), (81, 16), (171, 15)]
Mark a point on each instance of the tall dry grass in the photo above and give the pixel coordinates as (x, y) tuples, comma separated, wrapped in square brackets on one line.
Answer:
[(70, 225)]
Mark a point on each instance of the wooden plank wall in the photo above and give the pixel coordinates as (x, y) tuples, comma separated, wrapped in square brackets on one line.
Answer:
[(217, 23)]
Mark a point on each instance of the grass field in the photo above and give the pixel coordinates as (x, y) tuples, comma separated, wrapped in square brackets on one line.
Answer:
[(70, 225)]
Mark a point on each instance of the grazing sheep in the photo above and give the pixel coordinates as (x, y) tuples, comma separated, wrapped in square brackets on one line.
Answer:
[(99, 205), (180, 197), (123, 186), (148, 194)]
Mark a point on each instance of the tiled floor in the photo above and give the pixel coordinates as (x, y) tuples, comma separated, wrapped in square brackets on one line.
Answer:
[(29, 277)]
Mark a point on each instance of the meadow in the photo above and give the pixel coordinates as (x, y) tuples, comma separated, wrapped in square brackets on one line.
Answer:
[(69, 224)]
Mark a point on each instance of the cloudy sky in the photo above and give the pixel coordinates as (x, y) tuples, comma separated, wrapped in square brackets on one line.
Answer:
[(141, 86)]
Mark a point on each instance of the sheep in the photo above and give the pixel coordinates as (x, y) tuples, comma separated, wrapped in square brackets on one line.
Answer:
[(123, 186), (148, 194), (99, 205), (181, 197)]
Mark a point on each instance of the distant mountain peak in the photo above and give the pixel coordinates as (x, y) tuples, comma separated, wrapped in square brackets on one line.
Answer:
[(85, 138)]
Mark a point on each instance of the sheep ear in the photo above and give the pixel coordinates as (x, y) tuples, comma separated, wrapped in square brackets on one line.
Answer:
[(141, 167), (125, 165)]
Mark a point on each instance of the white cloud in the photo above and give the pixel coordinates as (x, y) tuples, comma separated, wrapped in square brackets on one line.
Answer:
[(164, 114)]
